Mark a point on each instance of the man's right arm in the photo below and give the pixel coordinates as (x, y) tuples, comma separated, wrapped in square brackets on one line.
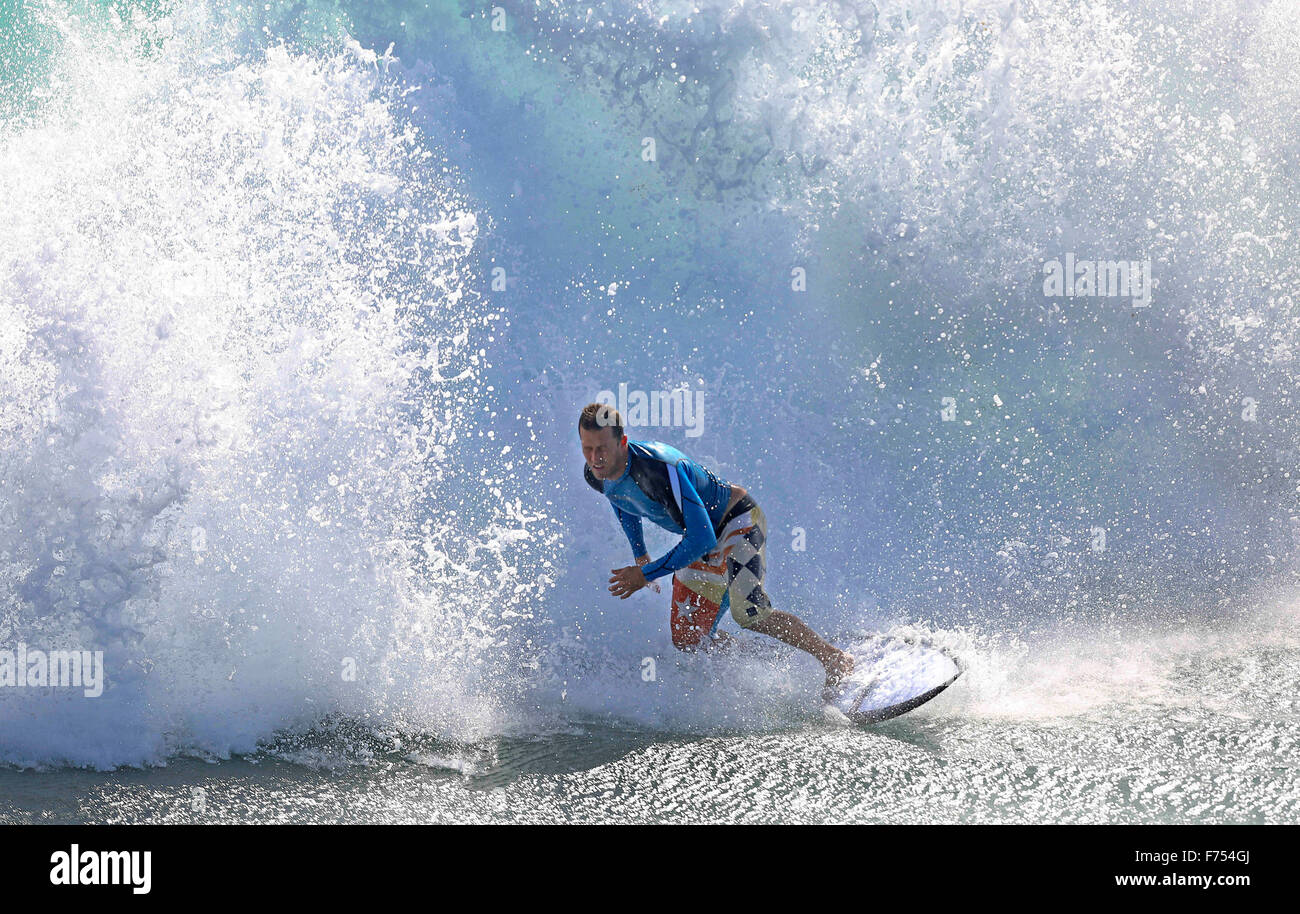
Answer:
[(635, 537), (632, 527)]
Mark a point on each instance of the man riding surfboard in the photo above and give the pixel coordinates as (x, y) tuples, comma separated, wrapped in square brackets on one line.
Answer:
[(720, 559)]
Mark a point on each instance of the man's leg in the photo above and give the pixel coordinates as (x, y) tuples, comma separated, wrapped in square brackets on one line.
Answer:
[(697, 594), (796, 633), (745, 540)]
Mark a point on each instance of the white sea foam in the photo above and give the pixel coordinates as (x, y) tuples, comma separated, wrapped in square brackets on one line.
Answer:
[(224, 462)]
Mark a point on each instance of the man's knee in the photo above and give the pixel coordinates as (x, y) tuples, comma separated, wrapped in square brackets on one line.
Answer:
[(751, 609), (692, 617)]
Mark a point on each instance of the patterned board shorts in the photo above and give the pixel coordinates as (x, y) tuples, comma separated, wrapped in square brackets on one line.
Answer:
[(730, 574)]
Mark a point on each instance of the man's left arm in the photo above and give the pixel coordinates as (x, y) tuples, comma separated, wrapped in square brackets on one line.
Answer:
[(698, 539)]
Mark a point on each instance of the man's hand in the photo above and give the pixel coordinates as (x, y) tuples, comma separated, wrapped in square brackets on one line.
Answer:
[(626, 581), (645, 560)]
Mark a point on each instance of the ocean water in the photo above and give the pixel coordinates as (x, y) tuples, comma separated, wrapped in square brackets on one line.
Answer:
[(299, 301)]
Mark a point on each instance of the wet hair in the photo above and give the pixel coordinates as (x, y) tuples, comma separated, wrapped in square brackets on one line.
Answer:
[(596, 416)]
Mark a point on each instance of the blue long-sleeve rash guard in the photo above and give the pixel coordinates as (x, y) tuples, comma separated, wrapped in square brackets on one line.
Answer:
[(663, 484)]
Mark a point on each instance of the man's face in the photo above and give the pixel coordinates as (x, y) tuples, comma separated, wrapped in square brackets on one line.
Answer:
[(605, 454)]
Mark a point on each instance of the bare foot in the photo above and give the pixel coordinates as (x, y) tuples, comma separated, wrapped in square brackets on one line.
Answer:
[(836, 671)]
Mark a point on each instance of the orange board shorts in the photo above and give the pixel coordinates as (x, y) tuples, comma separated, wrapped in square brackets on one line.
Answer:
[(731, 574)]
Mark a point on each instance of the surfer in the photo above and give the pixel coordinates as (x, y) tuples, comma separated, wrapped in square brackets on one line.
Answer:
[(720, 559)]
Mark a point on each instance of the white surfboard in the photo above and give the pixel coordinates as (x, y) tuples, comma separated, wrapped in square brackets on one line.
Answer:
[(891, 676)]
